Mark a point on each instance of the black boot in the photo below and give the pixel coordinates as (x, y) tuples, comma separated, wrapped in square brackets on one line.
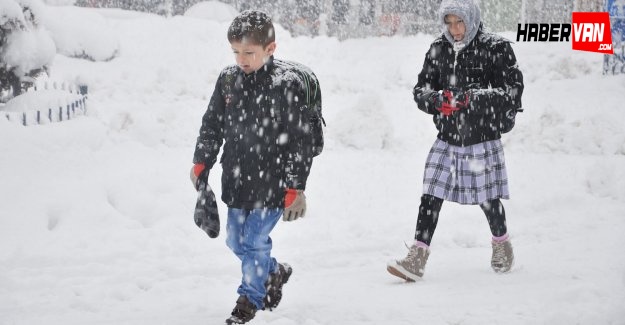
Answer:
[(274, 285), (243, 312)]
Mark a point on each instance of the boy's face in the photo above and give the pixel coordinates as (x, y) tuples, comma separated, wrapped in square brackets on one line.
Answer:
[(455, 26), (251, 57)]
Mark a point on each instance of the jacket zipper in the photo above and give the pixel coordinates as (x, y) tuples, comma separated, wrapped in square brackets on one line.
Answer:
[(456, 118)]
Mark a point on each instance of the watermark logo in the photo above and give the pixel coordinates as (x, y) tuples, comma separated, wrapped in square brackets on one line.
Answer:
[(590, 31)]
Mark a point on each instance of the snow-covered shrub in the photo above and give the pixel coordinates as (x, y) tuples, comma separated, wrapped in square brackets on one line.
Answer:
[(26, 49), (81, 33)]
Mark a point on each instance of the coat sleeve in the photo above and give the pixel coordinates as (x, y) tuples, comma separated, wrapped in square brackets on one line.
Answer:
[(426, 89), (506, 86), (211, 132), (298, 132)]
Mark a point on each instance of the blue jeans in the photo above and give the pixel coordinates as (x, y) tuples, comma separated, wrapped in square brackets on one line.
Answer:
[(248, 237)]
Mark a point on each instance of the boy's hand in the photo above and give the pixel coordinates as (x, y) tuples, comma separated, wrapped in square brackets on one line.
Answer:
[(294, 205), (198, 172)]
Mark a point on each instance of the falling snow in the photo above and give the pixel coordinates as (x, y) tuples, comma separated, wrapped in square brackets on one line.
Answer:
[(96, 218)]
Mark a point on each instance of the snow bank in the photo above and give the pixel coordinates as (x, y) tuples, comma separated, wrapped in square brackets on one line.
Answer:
[(81, 33), (365, 125), (212, 10)]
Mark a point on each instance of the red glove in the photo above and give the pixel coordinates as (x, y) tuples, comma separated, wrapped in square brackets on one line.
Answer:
[(451, 101), (294, 205), (197, 172)]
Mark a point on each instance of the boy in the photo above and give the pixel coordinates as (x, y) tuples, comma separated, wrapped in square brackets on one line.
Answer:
[(258, 109), (470, 78)]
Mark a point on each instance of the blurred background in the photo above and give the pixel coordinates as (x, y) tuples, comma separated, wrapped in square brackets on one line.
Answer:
[(362, 18), (341, 19)]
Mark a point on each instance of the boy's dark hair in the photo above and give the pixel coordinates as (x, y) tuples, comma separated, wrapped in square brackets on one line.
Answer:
[(252, 26)]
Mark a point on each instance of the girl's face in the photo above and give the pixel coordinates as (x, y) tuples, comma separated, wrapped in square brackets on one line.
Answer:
[(455, 26), (251, 57)]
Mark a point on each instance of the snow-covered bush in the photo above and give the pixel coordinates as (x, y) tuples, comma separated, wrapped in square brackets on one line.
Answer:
[(26, 49), (81, 33)]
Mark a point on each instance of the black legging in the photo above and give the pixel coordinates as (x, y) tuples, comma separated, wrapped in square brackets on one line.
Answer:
[(431, 206)]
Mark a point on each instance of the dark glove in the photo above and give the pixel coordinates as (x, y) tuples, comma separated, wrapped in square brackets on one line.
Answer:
[(294, 205), (198, 172), (206, 215), (451, 100)]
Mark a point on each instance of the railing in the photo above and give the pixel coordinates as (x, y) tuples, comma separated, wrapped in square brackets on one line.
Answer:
[(64, 112)]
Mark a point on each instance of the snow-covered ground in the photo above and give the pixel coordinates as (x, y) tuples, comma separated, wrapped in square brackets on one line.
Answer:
[(96, 221)]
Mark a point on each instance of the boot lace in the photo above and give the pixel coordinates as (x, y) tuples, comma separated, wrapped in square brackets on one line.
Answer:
[(412, 252), (499, 252)]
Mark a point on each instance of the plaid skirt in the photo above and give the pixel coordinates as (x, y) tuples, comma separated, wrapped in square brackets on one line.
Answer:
[(467, 175)]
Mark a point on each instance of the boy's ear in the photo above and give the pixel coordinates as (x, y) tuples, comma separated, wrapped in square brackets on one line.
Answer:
[(270, 48)]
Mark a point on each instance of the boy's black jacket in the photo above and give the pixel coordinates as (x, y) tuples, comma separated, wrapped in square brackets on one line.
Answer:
[(487, 67), (263, 121)]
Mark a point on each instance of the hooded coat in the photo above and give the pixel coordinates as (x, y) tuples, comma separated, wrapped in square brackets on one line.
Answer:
[(263, 123), (482, 65)]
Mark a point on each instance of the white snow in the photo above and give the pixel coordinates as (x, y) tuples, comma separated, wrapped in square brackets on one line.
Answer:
[(10, 11), (96, 221), (81, 32), (28, 46), (212, 10), (28, 50)]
